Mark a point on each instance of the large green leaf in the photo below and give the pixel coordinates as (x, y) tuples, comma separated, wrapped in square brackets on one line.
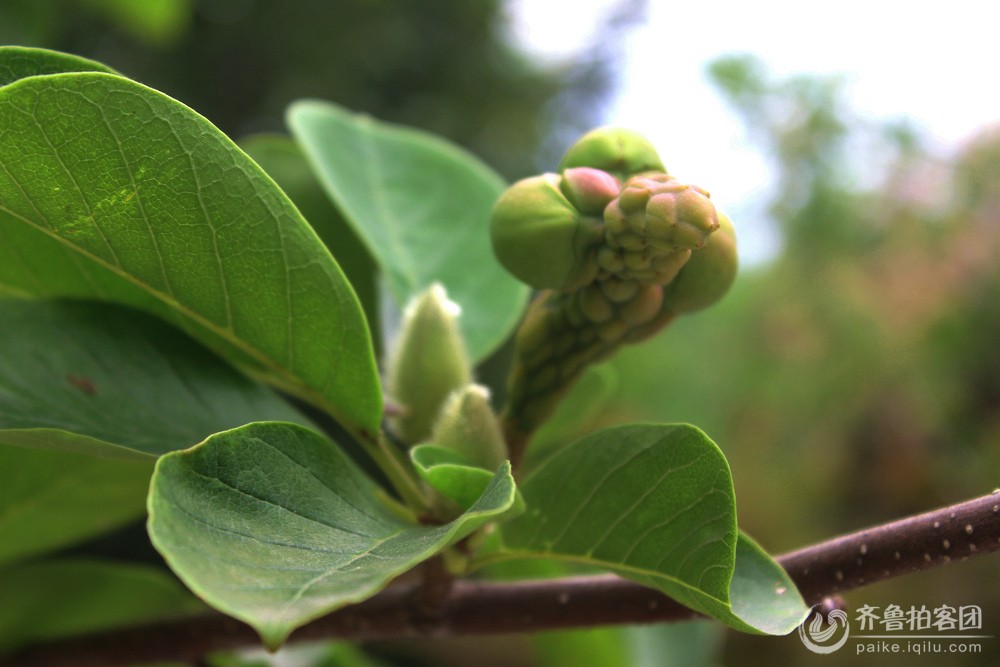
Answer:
[(272, 524), (423, 206), (106, 380), (51, 499), (52, 599), (99, 380), (283, 160), (655, 503), (18, 62), (110, 189)]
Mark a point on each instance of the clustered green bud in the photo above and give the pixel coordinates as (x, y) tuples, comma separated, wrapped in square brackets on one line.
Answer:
[(540, 237), (619, 247), (563, 333), (652, 226), (428, 363), (620, 152), (709, 275)]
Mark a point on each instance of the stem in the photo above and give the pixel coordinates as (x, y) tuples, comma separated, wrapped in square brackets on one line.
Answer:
[(912, 544), (399, 471), (516, 439), (468, 607), (390, 460)]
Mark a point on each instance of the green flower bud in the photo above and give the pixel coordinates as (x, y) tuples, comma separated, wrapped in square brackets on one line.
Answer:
[(595, 306), (642, 308), (708, 275), (468, 425), (613, 331), (618, 290), (666, 267), (620, 152), (589, 190), (429, 363), (662, 211), (541, 238), (610, 260)]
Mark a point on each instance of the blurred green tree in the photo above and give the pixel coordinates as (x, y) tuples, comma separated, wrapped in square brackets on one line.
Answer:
[(857, 376), (446, 66)]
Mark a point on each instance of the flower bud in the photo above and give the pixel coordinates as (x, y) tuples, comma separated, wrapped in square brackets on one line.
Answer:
[(665, 212), (428, 363), (708, 275), (643, 307), (541, 238), (620, 152), (589, 190), (654, 223), (468, 425)]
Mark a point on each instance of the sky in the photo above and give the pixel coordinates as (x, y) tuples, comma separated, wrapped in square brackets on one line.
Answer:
[(933, 63)]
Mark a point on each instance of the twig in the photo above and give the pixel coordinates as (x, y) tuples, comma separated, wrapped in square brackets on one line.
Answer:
[(907, 545), (472, 607)]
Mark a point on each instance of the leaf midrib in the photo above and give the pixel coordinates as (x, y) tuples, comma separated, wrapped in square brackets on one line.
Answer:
[(226, 334)]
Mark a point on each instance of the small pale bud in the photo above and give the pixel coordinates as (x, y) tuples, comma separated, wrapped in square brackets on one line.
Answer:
[(668, 266), (684, 217), (708, 275), (642, 308), (428, 363), (468, 425), (662, 209), (541, 238), (589, 190), (620, 152), (617, 290), (595, 306)]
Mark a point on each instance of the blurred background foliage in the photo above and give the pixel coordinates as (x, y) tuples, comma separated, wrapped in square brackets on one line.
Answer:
[(853, 379), (445, 66)]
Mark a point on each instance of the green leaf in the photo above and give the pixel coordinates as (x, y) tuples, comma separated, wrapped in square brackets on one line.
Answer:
[(450, 473), (110, 189), (422, 205), (655, 504), (106, 380), (274, 525), (50, 499), (52, 599), (283, 160), (99, 380), (18, 62)]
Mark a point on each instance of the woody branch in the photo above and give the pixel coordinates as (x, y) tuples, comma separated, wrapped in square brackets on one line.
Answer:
[(844, 563)]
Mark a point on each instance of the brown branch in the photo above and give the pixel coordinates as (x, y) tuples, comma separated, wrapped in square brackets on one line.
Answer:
[(472, 607), (899, 547)]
